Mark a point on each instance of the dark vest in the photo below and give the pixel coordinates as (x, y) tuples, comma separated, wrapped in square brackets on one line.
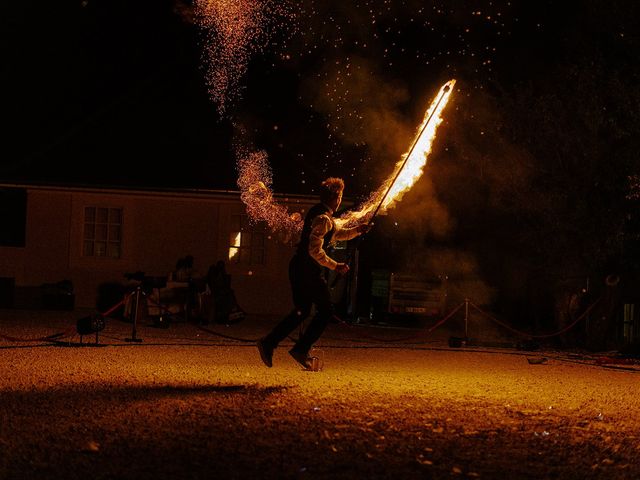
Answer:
[(316, 210)]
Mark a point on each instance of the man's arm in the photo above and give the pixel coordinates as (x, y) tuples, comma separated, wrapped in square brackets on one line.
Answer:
[(345, 233), (319, 228), (349, 233)]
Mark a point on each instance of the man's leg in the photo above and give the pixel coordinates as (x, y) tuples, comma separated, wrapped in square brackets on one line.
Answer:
[(302, 299), (286, 326), (268, 344), (324, 310)]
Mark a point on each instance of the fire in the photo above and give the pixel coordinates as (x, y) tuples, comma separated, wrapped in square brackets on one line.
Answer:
[(409, 169), (255, 178)]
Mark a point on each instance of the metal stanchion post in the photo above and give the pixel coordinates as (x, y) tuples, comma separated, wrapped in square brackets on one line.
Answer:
[(466, 319), (136, 302)]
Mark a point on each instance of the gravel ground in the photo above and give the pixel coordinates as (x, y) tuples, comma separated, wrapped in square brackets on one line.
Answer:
[(189, 403)]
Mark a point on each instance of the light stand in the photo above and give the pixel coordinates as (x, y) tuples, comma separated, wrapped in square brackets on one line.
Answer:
[(90, 324)]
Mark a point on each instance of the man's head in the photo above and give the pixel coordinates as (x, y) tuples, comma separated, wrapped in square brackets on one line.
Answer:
[(331, 192)]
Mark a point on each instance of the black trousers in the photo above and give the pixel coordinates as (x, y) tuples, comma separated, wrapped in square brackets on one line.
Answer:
[(309, 288)]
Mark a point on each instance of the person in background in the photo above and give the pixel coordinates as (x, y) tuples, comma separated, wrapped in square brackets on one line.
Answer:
[(186, 273), (224, 305), (184, 269)]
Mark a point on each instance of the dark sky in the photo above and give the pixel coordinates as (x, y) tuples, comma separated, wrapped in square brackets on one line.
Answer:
[(116, 91)]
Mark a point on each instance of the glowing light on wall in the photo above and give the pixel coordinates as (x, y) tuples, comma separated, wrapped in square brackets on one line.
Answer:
[(234, 247)]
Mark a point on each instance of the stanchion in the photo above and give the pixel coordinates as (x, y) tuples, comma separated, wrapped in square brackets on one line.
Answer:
[(466, 319), (457, 342), (136, 302)]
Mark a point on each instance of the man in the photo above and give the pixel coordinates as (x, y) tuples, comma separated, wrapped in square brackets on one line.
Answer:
[(308, 284)]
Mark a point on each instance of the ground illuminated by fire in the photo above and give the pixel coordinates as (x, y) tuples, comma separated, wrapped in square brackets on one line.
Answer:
[(188, 401)]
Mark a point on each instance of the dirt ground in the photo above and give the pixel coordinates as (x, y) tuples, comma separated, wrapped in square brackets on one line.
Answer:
[(192, 403)]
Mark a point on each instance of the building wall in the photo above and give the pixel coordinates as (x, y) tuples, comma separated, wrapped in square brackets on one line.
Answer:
[(157, 229), (45, 257)]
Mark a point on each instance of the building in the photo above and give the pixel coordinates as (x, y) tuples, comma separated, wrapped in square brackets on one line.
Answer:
[(92, 236)]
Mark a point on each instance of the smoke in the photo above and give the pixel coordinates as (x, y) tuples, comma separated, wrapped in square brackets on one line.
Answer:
[(480, 173), (361, 106), (424, 214), (459, 269), (486, 184), (478, 197)]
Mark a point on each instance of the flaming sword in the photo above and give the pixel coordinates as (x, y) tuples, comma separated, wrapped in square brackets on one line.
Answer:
[(443, 92), (429, 124)]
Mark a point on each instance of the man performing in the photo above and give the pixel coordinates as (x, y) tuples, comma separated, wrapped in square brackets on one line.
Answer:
[(308, 284)]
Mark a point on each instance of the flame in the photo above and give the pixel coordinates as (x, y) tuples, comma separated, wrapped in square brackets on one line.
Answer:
[(409, 169), (255, 180)]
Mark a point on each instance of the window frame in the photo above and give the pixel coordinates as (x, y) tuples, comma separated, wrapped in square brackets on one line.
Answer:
[(99, 237), (246, 241)]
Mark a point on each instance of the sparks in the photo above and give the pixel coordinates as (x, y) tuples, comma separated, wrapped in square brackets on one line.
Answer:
[(255, 183), (234, 31)]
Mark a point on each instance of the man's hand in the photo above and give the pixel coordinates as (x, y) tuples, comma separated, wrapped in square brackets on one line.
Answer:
[(342, 268)]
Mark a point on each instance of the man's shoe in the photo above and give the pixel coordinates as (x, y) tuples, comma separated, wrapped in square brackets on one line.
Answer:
[(301, 358), (266, 353)]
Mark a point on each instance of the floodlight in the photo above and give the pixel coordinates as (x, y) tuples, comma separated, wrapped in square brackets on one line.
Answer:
[(91, 324)]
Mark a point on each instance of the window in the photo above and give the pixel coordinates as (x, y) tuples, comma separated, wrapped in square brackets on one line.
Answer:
[(246, 241), (102, 232), (13, 212)]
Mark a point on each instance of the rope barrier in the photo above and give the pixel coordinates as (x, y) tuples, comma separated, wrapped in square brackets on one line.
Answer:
[(370, 337), (69, 332), (549, 335), (404, 339), (117, 305), (228, 337)]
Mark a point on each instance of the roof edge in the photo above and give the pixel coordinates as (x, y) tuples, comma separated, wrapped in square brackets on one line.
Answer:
[(184, 192)]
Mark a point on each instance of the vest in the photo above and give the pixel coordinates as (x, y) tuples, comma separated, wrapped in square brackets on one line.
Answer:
[(316, 210)]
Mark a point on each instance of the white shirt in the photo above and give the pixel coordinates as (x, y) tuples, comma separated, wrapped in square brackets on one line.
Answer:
[(320, 226)]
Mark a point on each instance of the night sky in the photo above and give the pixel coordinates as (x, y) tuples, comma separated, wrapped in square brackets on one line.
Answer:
[(116, 92)]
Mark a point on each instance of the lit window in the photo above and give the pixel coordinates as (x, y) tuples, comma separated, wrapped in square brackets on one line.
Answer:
[(246, 241), (102, 232)]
